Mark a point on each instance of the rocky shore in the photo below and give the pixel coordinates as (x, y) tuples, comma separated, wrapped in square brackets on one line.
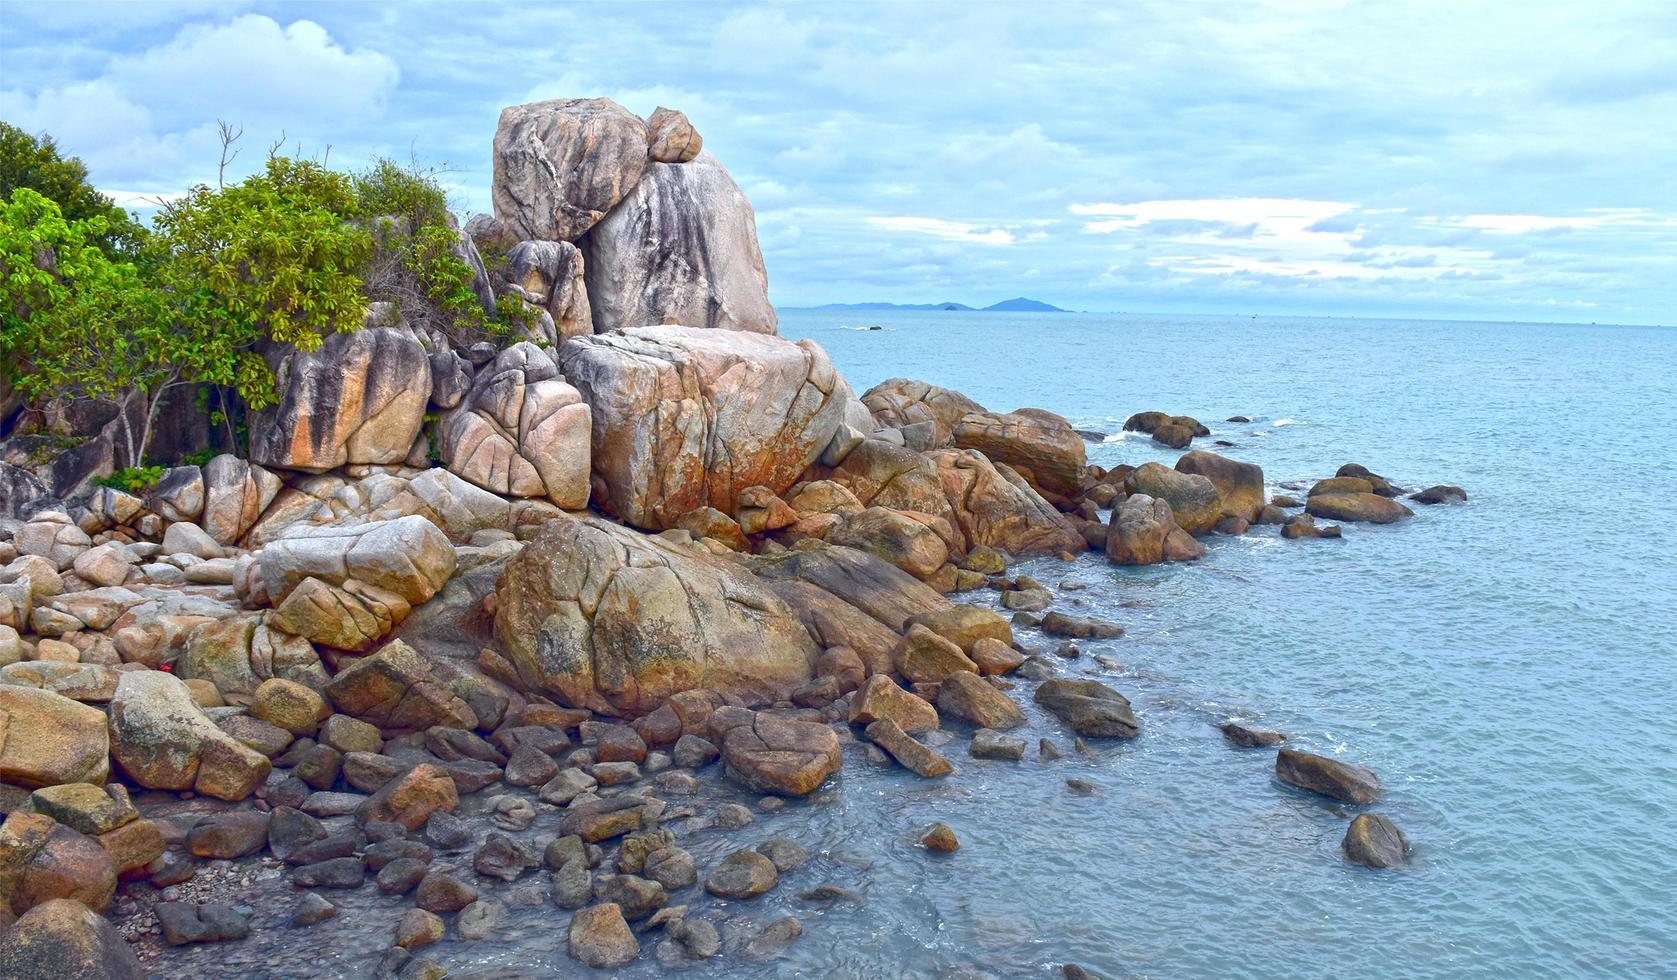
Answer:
[(536, 625)]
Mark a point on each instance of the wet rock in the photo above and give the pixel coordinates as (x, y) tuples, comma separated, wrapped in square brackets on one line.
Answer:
[(454, 744), (504, 858), (411, 799), (447, 832), (731, 816), (339, 872), (1144, 532), (829, 892), (787, 854), (778, 755), (914, 756), (480, 920), (1375, 842), (1358, 507), (290, 829), (922, 655), (566, 786), (312, 910), (573, 885), (988, 744), (418, 928), (772, 939), (1089, 708), (1047, 751), (938, 837), (976, 701), (880, 697), (529, 766), (1240, 485), (1250, 738), (635, 896), (743, 874), (1082, 787), (615, 773), (599, 937), (672, 867), (1444, 493), (698, 938), (1304, 526), (444, 893), (64, 939), (1080, 627), (42, 860), (229, 835), (511, 812), (326, 804), (401, 875), (209, 923), (1328, 777), (994, 657)]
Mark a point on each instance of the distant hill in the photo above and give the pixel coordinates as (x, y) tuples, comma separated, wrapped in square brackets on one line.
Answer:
[(1017, 305)]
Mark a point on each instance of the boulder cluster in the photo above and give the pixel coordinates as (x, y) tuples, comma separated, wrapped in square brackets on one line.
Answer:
[(574, 570)]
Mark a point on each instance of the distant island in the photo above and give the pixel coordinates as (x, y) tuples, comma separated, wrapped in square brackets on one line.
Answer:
[(1016, 305)]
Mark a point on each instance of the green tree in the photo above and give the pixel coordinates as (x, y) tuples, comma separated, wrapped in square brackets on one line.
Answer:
[(35, 163)]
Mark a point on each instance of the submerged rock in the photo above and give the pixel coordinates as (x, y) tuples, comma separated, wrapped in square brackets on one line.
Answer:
[(1442, 494), (743, 874), (1374, 841), (938, 837), (1360, 507), (1250, 738), (1329, 777), (1089, 708)]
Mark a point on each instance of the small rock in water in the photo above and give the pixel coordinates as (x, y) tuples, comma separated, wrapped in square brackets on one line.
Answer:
[(990, 744), (1375, 842), (418, 928), (787, 854), (1081, 786), (599, 937), (771, 804), (1047, 751), (1329, 777), (1250, 738), (773, 938), (1074, 972), (938, 837), (447, 832), (732, 816), (312, 909), (697, 937), (829, 892), (743, 874)]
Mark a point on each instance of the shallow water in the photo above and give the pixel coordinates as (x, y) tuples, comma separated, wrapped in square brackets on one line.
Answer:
[(1505, 666)]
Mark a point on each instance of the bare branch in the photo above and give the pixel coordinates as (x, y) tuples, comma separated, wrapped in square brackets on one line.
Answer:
[(228, 137), (274, 147)]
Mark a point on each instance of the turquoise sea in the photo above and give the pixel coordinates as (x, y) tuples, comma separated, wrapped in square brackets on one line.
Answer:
[(1506, 666)]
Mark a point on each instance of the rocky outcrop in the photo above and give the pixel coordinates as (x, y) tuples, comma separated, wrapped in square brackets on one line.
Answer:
[(686, 418), (1041, 447), (560, 165), (1194, 501), (681, 248), (603, 618), (548, 275), (360, 398), (161, 739), (522, 431), (1240, 485), (1175, 431), (901, 402)]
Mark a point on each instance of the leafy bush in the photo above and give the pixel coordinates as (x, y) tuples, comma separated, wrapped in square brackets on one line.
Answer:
[(27, 161), (135, 479)]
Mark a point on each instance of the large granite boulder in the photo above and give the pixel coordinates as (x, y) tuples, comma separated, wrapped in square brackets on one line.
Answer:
[(64, 939), (1144, 532), (42, 860), (522, 431), (1041, 446), (901, 402), (1194, 501), (1241, 485), (769, 753), (162, 739), (681, 248), (984, 503), (409, 556), (603, 618), (47, 739), (685, 417), (360, 398), (398, 688), (549, 275), (1370, 508), (560, 165)]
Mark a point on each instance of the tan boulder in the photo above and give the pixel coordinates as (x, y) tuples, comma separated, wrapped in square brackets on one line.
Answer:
[(686, 418), (778, 755), (601, 617), (924, 656), (901, 402), (409, 556), (397, 688), (1367, 508), (161, 739), (42, 860), (412, 797), (561, 165), (1195, 504), (1143, 531), (894, 536), (671, 138), (1240, 485), (1042, 444), (64, 939), (47, 739), (236, 492), (549, 275), (354, 616), (289, 705), (880, 697), (964, 625)]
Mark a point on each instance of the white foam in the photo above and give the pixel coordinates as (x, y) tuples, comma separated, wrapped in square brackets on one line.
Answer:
[(1280, 422)]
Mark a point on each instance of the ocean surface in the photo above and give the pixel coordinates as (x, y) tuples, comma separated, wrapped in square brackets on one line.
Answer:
[(1506, 666)]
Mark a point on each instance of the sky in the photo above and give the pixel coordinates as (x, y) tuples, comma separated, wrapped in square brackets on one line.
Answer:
[(1469, 160)]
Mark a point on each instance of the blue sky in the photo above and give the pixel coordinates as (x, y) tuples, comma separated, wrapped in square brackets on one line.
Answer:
[(1450, 159)]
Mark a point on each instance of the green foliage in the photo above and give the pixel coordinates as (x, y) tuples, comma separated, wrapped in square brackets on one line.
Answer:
[(199, 458), (135, 479), (27, 161)]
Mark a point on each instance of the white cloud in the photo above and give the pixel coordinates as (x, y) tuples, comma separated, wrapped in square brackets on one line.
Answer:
[(955, 231)]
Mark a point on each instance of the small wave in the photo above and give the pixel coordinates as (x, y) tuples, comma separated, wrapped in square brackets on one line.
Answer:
[(1121, 436), (1278, 423)]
